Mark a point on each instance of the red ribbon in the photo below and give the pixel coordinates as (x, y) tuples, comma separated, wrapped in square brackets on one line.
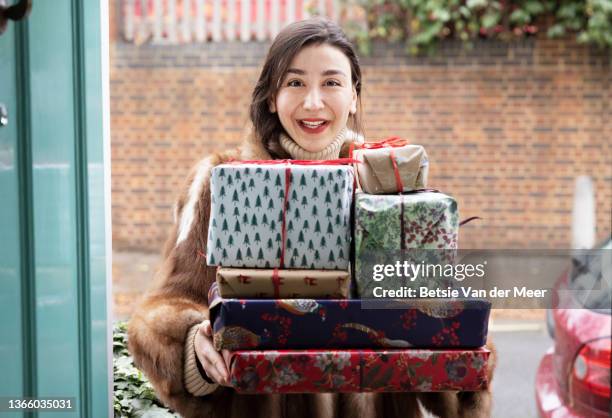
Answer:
[(338, 161), (276, 282), (284, 227), (390, 142), (398, 178)]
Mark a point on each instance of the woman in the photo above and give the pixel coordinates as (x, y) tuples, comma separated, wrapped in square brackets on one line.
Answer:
[(304, 106)]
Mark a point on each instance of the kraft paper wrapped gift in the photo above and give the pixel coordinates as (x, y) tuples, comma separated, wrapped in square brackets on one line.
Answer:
[(281, 283), (275, 214), (419, 226), (391, 167), (313, 371), (242, 324)]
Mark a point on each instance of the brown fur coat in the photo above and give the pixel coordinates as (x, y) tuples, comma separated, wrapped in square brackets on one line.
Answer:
[(178, 300)]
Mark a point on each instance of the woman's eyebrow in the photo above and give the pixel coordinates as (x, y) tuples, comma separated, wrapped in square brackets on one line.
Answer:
[(324, 73)]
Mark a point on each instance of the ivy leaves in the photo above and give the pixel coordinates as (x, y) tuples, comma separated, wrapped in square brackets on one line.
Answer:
[(133, 394), (422, 24)]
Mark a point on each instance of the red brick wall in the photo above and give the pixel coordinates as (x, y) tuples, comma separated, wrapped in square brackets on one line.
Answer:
[(507, 126)]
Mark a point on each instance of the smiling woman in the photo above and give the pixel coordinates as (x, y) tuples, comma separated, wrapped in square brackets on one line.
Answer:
[(304, 106)]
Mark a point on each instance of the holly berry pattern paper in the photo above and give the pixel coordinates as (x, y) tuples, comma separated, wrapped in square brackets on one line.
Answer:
[(241, 324), (419, 227), (313, 371), (250, 228)]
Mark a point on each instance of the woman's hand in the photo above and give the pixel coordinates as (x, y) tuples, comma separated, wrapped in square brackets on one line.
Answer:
[(211, 360)]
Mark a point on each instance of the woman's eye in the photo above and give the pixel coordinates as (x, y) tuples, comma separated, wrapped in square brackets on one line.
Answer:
[(294, 83), (332, 83)]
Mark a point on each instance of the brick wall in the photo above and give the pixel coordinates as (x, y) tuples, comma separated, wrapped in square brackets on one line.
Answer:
[(507, 128)]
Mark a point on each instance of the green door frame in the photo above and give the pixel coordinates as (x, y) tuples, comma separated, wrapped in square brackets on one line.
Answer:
[(60, 152)]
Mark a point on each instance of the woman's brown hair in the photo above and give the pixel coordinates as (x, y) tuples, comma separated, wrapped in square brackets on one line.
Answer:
[(316, 31)]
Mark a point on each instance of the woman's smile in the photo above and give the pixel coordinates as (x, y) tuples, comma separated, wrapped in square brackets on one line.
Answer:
[(313, 126)]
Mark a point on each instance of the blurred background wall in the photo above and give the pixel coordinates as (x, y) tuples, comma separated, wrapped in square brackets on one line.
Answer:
[(508, 127)]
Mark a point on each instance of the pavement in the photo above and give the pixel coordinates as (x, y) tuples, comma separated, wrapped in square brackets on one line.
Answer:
[(519, 334), (520, 347)]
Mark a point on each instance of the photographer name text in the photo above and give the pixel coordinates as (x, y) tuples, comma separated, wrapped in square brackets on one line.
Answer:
[(465, 292)]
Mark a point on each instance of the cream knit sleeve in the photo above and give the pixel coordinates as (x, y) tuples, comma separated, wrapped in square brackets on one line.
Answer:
[(194, 381)]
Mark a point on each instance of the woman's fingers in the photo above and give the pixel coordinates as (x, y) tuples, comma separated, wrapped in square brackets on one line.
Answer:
[(206, 328), (226, 356), (217, 363), (212, 371), (211, 360), (212, 355)]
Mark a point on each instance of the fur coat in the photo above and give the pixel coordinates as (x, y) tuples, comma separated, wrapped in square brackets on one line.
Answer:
[(178, 300)]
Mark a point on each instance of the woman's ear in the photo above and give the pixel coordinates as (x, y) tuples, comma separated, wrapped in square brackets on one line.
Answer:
[(271, 106), (353, 108)]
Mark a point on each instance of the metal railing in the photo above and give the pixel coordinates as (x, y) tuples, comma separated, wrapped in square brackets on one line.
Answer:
[(184, 21)]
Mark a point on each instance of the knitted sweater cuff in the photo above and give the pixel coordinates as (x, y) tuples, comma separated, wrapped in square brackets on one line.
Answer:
[(194, 381)]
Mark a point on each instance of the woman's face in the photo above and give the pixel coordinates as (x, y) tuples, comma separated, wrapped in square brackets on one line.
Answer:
[(316, 96)]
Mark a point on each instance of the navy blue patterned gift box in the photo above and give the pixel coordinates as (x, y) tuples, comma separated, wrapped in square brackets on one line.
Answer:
[(240, 324)]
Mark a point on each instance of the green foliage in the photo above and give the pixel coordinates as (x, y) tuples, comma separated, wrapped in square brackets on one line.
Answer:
[(421, 24), (133, 394)]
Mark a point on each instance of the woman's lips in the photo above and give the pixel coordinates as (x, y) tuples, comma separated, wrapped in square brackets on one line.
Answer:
[(313, 129)]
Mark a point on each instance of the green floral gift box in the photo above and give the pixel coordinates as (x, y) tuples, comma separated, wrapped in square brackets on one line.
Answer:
[(419, 228)]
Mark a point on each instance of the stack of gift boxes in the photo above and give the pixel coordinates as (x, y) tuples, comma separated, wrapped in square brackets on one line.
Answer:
[(288, 235)]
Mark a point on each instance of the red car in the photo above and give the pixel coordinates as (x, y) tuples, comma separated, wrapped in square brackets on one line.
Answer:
[(573, 379)]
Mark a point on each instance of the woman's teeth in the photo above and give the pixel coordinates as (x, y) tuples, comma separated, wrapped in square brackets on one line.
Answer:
[(313, 124)]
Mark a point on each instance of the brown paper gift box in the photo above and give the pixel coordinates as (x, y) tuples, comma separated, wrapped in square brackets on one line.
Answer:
[(283, 283), (376, 173)]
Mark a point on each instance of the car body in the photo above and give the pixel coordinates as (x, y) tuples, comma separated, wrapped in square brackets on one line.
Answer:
[(573, 378)]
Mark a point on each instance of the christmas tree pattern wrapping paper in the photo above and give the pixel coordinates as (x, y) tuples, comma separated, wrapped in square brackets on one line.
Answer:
[(390, 170), (313, 371), (249, 227), (420, 227), (242, 324), (280, 283)]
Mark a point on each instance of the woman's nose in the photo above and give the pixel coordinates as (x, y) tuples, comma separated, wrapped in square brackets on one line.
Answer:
[(313, 100)]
